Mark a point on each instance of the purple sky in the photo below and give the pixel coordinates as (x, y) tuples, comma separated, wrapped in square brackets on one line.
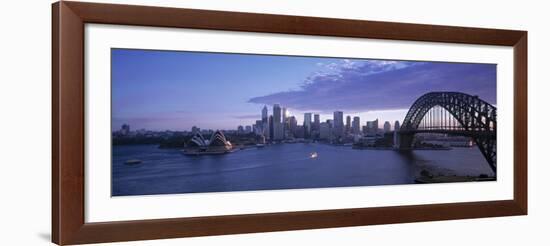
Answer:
[(162, 90)]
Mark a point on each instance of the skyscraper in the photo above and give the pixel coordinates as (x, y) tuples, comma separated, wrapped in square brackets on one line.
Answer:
[(348, 124), (293, 125), (265, 123), (285, 123), (324, 131), (396, 126), (356, 125), (396, 134), (307, 125), (372, 127), (387, 126), (315, 128), (277, 113), (277, 123), (338, 130), (258, 127), (264, 114), (316, 121), (270, 123)]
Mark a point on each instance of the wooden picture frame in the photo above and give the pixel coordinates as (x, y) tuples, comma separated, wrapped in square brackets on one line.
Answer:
[(68, 223)]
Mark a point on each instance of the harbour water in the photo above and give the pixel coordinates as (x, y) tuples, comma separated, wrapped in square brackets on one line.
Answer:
[(281, 166)]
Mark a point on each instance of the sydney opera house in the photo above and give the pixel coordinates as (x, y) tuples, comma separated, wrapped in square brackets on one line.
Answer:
[(217, 144)]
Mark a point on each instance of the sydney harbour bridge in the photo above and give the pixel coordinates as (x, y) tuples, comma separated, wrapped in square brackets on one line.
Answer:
[(452, 113)]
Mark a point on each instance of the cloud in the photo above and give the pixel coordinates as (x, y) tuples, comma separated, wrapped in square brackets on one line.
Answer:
[(247, 116), (382, 85)]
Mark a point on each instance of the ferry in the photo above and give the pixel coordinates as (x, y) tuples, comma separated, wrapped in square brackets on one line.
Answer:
[(313, 155)]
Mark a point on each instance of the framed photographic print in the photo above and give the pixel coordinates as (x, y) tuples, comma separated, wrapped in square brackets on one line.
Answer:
[(176, 122)]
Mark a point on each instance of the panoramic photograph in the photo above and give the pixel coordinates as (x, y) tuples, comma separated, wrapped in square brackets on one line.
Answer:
[(195, 122)]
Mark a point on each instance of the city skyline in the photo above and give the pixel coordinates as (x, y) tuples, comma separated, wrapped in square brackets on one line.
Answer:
[(239, 86)]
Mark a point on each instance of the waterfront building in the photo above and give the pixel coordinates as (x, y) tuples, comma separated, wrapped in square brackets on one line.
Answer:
[(240, 130), (258, 127), (216, 145), (264, 114), (356, 125), (195, 129), (299, 133), (307, 125), (348, 124), (316, 122), (270, 123), (338, 129), (396, 126), (265, 123), (372, 127), (292, 125), (278, 131), (277, 124), (277, 113), (324, 131), (285, 122), (387, 126), (125, 129), (197, 143)]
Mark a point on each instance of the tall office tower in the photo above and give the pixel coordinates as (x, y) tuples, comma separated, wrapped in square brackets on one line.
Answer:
[(338, 124), (307, 125), (348, 124), (396, 134), (277, 113), (356, 125), (372, 127), (293, 125), (285, 122), (315, 127), (324, 131), (316, 122), (240, 130), (277, 124), (387, 126), (258, 127), (248, 129), (264, 114), (270, 123), (265, 123), (396, 126)]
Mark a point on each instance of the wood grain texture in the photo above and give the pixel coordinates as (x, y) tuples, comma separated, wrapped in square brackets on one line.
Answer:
[(251, 22), (68, 224)]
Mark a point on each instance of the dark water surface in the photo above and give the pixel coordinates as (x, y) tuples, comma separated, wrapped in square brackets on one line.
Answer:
[(282, 166)]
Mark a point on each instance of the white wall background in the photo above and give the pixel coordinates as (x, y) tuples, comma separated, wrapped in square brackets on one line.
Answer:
[(25, 141)]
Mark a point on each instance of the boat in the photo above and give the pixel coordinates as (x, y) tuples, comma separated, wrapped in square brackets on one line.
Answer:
[(132, 162), (313, 155), (260, 145)]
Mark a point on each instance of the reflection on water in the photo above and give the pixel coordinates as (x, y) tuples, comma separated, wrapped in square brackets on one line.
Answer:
[(283, 166)]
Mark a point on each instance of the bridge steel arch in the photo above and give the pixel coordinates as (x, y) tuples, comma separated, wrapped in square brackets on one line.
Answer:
[(477, 118)]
